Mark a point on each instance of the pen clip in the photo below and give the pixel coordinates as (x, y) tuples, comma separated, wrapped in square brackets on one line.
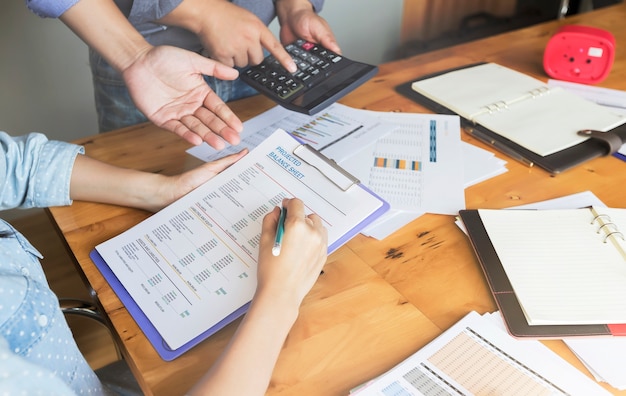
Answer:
[(327, 167)]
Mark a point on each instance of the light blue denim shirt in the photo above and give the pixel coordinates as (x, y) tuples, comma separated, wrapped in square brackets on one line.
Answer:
[(35, 340), (50, 8)]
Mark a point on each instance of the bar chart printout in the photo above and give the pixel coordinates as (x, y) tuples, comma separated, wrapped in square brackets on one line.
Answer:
[(476, 357)]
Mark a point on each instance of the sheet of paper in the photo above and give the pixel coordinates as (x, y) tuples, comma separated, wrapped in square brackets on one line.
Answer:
[(560, 267), (572, 201), (605, 357), (193, 263), (478, 165), (613, 99), (477, 357), (417, 167), (389, 223), (351, 138), (337, 132)]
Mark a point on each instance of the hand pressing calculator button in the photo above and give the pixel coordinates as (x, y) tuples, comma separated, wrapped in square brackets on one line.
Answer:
[(322, 78)]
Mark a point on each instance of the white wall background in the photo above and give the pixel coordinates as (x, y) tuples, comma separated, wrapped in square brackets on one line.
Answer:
[(45, 83)]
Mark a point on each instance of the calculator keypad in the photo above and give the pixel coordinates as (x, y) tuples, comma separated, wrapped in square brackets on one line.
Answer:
[(313, 61)]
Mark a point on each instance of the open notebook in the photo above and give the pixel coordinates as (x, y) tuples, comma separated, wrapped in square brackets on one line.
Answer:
[(515, 112), (190, 269), (554, 273)]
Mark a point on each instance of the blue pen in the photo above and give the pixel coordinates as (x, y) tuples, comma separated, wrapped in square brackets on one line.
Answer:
[(280, 231)]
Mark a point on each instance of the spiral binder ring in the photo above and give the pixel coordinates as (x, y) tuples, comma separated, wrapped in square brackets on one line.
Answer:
[(600, 216), (609, 224), (611, 231), (614, 232)]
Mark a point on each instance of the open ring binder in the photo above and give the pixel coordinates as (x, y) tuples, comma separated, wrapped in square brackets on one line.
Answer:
[(611, 230), (575, 285)]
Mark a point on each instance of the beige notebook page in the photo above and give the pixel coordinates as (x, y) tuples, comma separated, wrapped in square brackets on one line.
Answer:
[(560, 267), (523, 109)]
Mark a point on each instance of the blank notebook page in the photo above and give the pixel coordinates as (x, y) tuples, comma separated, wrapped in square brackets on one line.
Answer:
[(559, 265)]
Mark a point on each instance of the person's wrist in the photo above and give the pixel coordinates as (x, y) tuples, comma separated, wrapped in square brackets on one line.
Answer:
[(281, 299), (286, 9), (193, 15)]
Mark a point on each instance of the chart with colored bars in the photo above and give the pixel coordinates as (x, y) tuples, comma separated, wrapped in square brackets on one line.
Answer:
[(398, 162), (477, 357)]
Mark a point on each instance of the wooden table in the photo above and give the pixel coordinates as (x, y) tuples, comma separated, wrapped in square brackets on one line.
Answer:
[(378, 301)]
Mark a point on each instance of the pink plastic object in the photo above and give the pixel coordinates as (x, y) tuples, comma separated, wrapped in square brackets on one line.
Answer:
[(579, 54)]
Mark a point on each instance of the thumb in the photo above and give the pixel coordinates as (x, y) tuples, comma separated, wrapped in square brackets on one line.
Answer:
[(214, 68)]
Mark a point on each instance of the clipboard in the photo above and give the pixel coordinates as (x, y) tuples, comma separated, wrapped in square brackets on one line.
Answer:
[(595, 146), (335, 176), (505, 297)]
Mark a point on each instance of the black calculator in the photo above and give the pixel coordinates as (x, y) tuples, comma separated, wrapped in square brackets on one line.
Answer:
[(322, 78)]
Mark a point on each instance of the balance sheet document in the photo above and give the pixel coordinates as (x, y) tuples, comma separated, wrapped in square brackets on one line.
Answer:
[(193, 263)]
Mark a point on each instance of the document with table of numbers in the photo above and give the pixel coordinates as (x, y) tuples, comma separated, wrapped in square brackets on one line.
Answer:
[(190, 269)]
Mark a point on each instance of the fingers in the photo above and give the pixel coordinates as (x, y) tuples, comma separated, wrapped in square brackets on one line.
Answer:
[(270, 43), (329, 42), (295, 209), (210, 67), (288, 277), (302, 228), (219, 165), (212, 128), (214, 123), (200, 175), (215, 105)]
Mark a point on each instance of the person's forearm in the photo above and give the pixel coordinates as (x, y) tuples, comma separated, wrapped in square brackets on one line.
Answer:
[(285, 8), (102, 26), (192, 14), (96, 181), (252, 352)]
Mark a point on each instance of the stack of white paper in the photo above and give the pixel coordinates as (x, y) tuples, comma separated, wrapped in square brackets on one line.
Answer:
[(416, 162)]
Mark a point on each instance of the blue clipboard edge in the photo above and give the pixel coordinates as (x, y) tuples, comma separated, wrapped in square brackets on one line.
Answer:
[(152, 333)]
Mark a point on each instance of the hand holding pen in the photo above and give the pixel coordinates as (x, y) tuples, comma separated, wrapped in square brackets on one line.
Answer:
[(303, 251)]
